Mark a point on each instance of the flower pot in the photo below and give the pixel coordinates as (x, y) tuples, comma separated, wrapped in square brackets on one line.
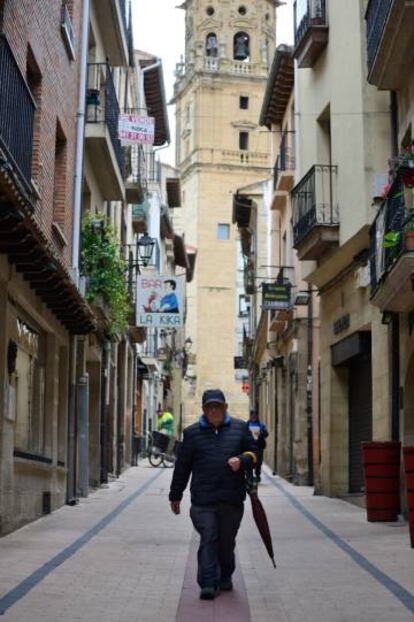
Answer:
[(382, 480), (409, 483)]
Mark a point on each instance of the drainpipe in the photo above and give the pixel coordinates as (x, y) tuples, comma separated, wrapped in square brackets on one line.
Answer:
[(309, 384), (395, 322), (77, 207), (80, 141), (83, 411)]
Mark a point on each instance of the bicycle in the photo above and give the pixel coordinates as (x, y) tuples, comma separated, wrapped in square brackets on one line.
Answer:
[(154, 454)]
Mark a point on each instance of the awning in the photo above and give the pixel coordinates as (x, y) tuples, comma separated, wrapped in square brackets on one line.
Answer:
[(180, 253), (173, 191), (27, 247), (155, 99), (279, 87)]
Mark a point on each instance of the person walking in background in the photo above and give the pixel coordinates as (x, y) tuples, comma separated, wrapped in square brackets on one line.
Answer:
[(259, 433), (165, 423), (216, 451)]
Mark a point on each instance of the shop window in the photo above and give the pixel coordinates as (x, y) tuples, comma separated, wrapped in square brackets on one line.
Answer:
[(29, 382)]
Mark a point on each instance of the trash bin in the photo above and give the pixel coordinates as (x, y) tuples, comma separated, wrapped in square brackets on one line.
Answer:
[(382, 480), (409, 483)]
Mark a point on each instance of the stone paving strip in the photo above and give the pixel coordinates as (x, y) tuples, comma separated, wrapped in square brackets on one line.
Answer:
[(121, 556)]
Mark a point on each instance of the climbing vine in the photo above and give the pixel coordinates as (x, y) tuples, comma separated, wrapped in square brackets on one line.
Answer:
[(105, 269)]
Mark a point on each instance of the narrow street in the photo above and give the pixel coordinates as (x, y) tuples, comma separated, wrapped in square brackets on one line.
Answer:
[(120, 555)]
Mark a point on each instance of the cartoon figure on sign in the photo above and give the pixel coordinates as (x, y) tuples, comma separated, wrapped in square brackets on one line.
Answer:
[(169, 302), (152, 305)]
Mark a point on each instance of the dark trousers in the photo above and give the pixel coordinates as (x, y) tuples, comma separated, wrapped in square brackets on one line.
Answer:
[(218, 526), (258, 465)]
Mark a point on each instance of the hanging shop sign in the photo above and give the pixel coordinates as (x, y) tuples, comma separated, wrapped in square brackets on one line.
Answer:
[(160, 301), (134, 129), (276, 296)]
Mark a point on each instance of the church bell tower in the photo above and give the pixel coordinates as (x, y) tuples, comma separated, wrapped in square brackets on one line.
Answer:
[(219, 89)]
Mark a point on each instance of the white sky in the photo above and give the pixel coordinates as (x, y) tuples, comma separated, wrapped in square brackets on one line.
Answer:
[(159, 30)]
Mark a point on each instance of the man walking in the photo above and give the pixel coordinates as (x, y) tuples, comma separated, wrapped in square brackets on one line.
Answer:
[(216, 451), (259, 433)]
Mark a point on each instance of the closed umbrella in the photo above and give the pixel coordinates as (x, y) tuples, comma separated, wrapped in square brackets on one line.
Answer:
[(260, 519)]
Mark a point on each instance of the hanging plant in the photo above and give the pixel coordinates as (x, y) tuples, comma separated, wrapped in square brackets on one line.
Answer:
[(105, 269)]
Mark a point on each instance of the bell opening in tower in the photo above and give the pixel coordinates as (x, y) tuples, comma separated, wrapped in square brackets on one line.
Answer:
[(241, 46)]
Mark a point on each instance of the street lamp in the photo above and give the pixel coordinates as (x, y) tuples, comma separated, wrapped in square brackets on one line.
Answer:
[(145, 247)]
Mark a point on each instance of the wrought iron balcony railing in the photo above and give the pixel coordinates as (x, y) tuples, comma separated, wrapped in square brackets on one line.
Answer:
[(153, 166), (314, 201), (150, 347), (102, 106), (17, 113), (308, 13), (376, 18), (387, 236), (285, 161)]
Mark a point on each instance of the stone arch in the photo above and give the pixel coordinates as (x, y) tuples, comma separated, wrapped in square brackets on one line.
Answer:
[(241, 46), (211, 45)]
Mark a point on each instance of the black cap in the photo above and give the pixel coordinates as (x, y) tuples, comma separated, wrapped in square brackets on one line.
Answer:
[(213, 395)]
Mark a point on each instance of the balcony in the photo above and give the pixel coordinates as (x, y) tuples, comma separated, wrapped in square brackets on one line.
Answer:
[(101, 134), (311, 31), (389, 42), (392, 253), (283, 174), (113, 25), (17, 113), (135, 174), (315, 213), (153, 169)]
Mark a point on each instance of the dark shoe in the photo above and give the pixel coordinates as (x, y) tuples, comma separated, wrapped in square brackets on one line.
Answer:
[(226, 585), (208, 593)]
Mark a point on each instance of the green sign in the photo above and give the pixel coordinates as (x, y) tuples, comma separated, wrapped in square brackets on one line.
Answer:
[(276, 296)]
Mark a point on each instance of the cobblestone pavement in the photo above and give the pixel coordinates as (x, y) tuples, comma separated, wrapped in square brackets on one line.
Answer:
[(120, 556)]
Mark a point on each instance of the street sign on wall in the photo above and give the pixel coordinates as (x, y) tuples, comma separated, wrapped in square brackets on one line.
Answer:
[(135, 129), (160, 301), (276, 296)]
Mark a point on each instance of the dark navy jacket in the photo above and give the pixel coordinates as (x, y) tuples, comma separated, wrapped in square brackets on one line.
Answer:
[(204, 454)]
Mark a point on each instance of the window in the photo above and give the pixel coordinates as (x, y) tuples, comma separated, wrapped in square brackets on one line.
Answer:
[(211, 45), (29, 383), (59, 182), (242, 10), (34, 81), (243, 102), (243, 141), (241, 46), (210, 11), (223, 232), (244, 305)]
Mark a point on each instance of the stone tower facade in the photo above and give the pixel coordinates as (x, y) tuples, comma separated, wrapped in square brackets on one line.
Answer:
[(220, 148)]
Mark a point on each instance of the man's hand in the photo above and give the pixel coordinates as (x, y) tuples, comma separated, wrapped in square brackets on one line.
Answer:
[(175, 507), (234, 464)]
